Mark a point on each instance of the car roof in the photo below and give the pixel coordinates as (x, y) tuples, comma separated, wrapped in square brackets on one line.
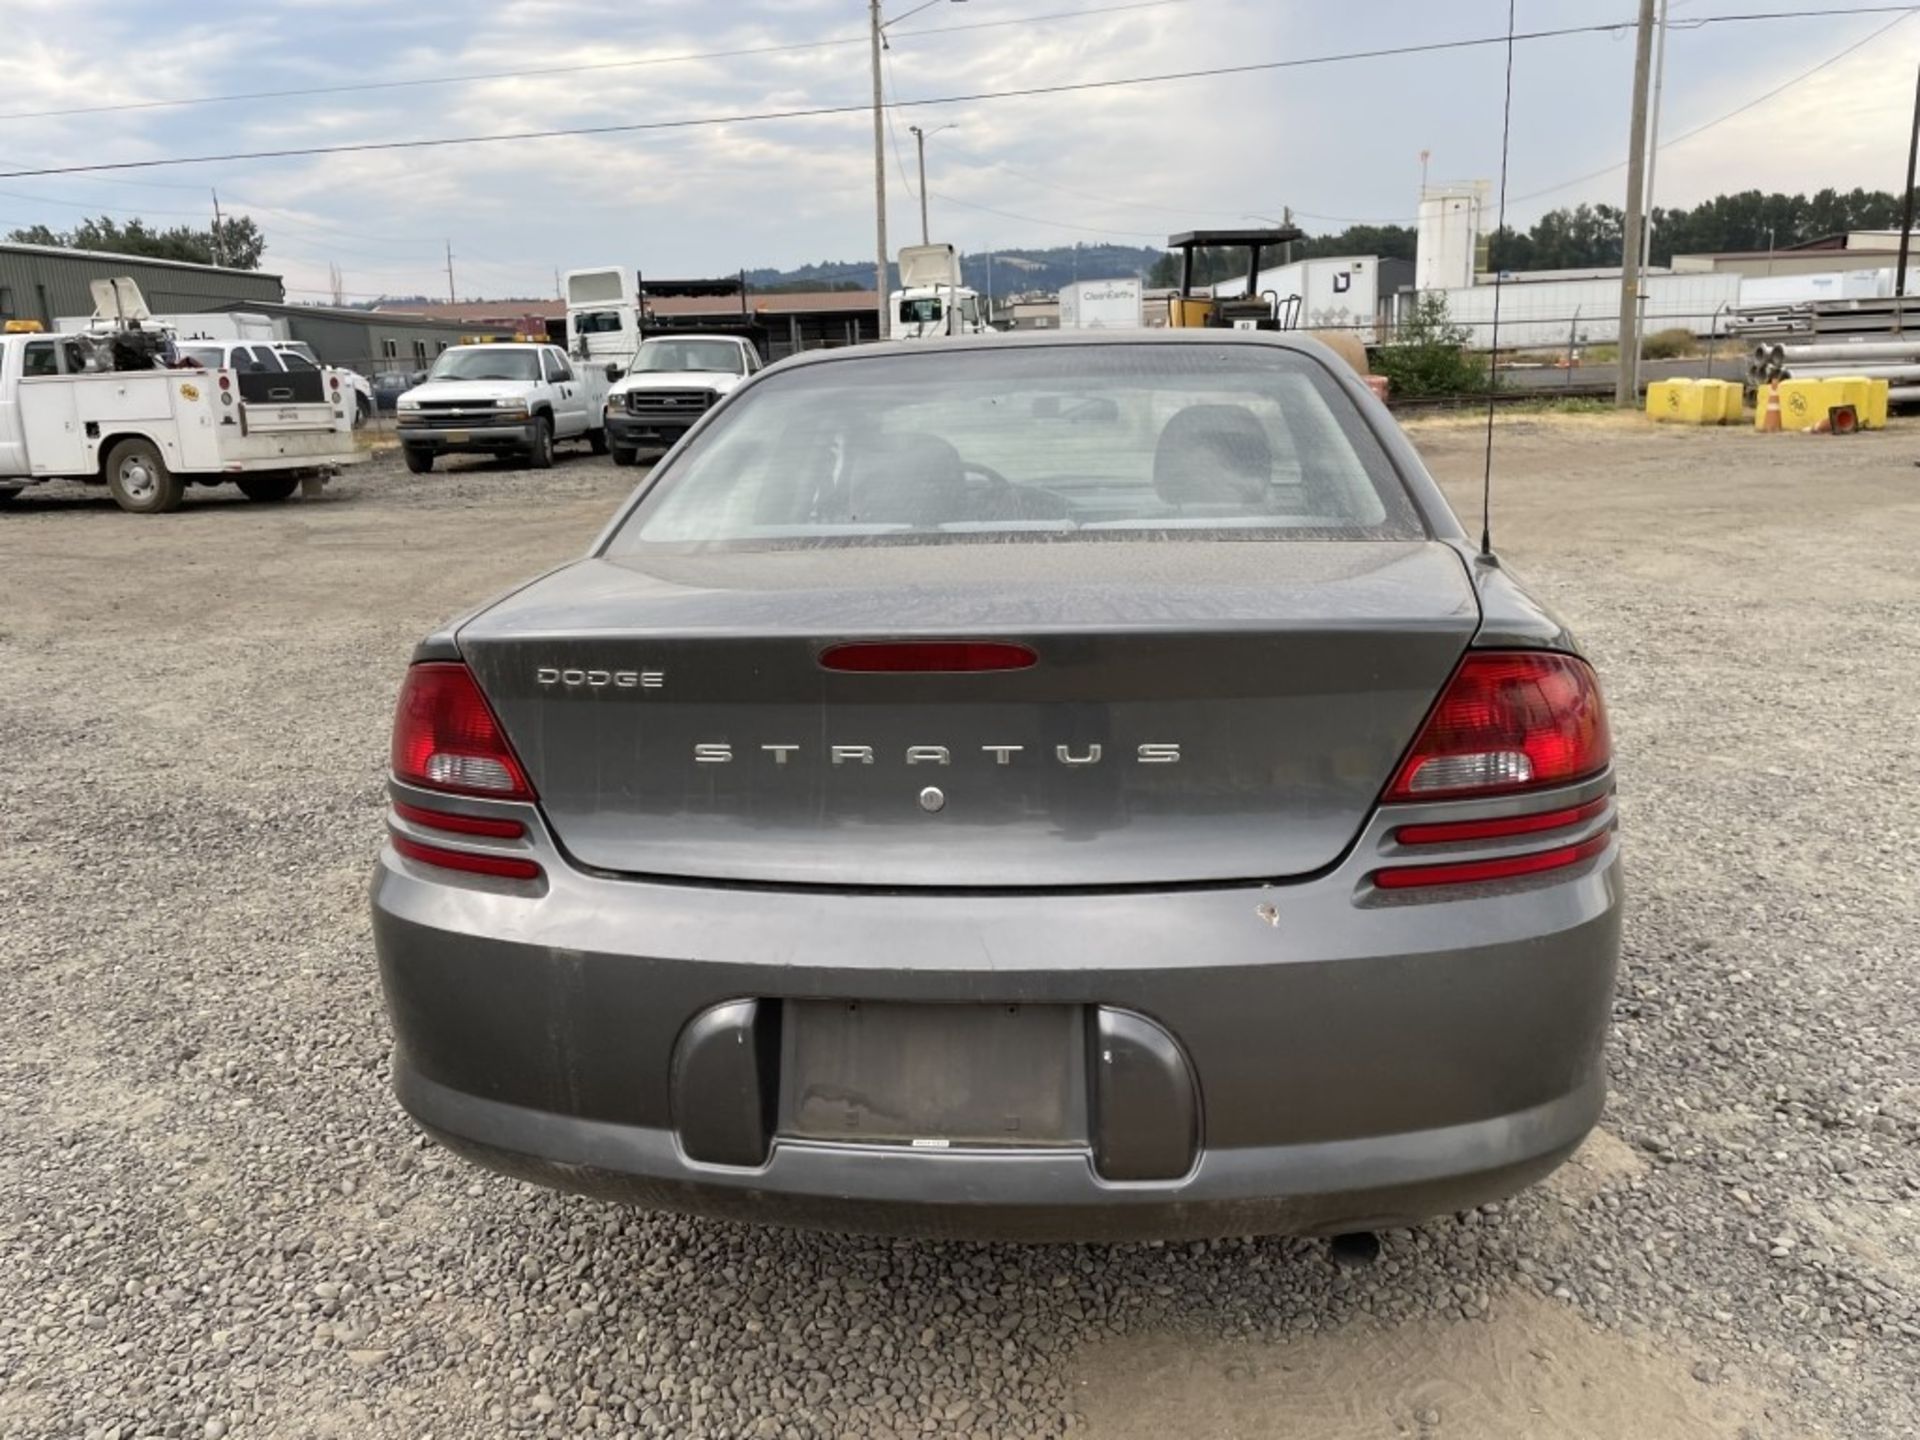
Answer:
[(1296, 341)]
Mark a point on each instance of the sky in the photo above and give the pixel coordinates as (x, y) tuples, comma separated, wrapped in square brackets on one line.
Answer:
[(1338, 142)]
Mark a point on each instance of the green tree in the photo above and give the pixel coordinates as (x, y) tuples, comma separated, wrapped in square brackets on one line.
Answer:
[(1428, 355), (239, 242)]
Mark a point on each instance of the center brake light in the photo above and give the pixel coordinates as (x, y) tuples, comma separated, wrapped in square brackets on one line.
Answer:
[(445, 736), (1508, 721)]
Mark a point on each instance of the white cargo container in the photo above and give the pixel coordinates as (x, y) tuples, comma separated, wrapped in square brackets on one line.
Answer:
[(1332, 293), (1101, 305), (1544, 314)]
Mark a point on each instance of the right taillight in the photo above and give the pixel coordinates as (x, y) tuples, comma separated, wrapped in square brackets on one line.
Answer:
[(1507, 721), (445, 736)]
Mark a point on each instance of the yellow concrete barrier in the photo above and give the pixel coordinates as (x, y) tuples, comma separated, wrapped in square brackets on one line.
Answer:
[(1694, 402)]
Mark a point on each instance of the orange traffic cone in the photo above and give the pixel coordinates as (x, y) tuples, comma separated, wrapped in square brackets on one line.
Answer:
[(1770, 422)]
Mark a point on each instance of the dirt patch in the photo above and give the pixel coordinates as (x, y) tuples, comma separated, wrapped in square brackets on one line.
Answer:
[(1533, 1368), (1603, 1162)]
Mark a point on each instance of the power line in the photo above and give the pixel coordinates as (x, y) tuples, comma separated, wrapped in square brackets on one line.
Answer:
[(811, 111), (1686, 135), (475, 77)]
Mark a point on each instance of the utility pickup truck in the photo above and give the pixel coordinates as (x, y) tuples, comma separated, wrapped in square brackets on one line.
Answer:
[(674, 380), (68, 411), (504, 398)]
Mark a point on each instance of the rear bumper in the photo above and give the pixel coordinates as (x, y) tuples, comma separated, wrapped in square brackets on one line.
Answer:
[(1355, 1063), (475, 438), (1324, 1188)]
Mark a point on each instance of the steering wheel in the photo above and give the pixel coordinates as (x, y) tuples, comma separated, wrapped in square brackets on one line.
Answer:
[(997, 484)]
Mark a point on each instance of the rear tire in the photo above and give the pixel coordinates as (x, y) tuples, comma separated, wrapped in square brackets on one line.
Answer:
[(597, 441), (269, 488), (418, 461), (540, 454), (623, 456), (362, 411), (140, 481)]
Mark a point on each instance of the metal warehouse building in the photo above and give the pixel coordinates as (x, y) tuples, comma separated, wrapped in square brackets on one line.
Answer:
[(39, 282), (45, 282)]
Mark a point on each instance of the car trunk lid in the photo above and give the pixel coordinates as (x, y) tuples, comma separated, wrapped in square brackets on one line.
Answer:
[(1195, 711)]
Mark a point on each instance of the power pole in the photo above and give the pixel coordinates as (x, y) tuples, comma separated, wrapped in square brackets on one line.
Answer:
[(1626, 388), (1906, 210), (920, 144), (451, 298), (879, 176), (216, 247), (1653, 164)]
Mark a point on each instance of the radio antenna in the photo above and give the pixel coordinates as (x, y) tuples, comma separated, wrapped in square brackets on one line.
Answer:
[(1493, 357)]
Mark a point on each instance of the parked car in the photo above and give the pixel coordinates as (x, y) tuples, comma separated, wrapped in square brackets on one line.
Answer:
[(503, 398), (673, 381), (390, 385), (1058, 786)]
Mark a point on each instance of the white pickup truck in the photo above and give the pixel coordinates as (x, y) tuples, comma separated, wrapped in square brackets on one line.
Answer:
[(675, 380), (146, 434), (504, 398)]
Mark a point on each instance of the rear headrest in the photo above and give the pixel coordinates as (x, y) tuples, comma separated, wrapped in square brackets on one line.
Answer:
[(909, 479), (1213, 455)]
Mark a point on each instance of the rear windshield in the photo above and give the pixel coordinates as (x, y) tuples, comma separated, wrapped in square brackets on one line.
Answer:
[(1080, 442)]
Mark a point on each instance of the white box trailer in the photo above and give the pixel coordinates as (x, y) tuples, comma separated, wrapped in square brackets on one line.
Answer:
[(1101, 305), (1336, 292), (1546, 314)]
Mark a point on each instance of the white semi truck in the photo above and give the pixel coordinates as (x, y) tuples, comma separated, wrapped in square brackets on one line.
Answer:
[(931, 300)]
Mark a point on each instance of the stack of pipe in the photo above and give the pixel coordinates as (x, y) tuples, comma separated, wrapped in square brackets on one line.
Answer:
[(1895, 361)]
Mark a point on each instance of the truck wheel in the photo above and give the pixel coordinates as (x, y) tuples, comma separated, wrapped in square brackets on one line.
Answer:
[(597, 441), (418, 461), (362, 411), (540, 455), (140, 481), (624, 456), (269, 487)]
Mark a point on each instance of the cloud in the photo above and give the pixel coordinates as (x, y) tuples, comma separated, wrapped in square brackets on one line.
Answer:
[(1130, 164)]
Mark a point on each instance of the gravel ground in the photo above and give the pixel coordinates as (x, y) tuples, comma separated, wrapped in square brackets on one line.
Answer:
[(215, 1221)]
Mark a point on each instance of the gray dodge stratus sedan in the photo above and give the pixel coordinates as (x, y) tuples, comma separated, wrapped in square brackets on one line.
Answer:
[(1032, 788)]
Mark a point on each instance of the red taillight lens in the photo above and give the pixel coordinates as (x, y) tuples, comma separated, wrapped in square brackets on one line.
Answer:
[(460, 824), (502, 867), (1461, 830), (445, 736), (1508, 720), (1506, 867), (874, 657), (226, 381)]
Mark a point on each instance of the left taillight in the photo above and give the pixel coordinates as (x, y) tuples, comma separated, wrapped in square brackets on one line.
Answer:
[(446, 737), (1508, 721)]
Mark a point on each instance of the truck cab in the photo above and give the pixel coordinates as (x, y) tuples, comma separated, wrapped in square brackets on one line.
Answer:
[(675, 380), (931, 300), (603, 315), (504, 398)]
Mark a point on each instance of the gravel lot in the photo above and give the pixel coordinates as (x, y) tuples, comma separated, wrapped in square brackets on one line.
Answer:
[(215, 1221)]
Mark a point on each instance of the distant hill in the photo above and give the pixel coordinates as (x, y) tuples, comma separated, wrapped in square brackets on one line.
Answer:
[(1044, 269)]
